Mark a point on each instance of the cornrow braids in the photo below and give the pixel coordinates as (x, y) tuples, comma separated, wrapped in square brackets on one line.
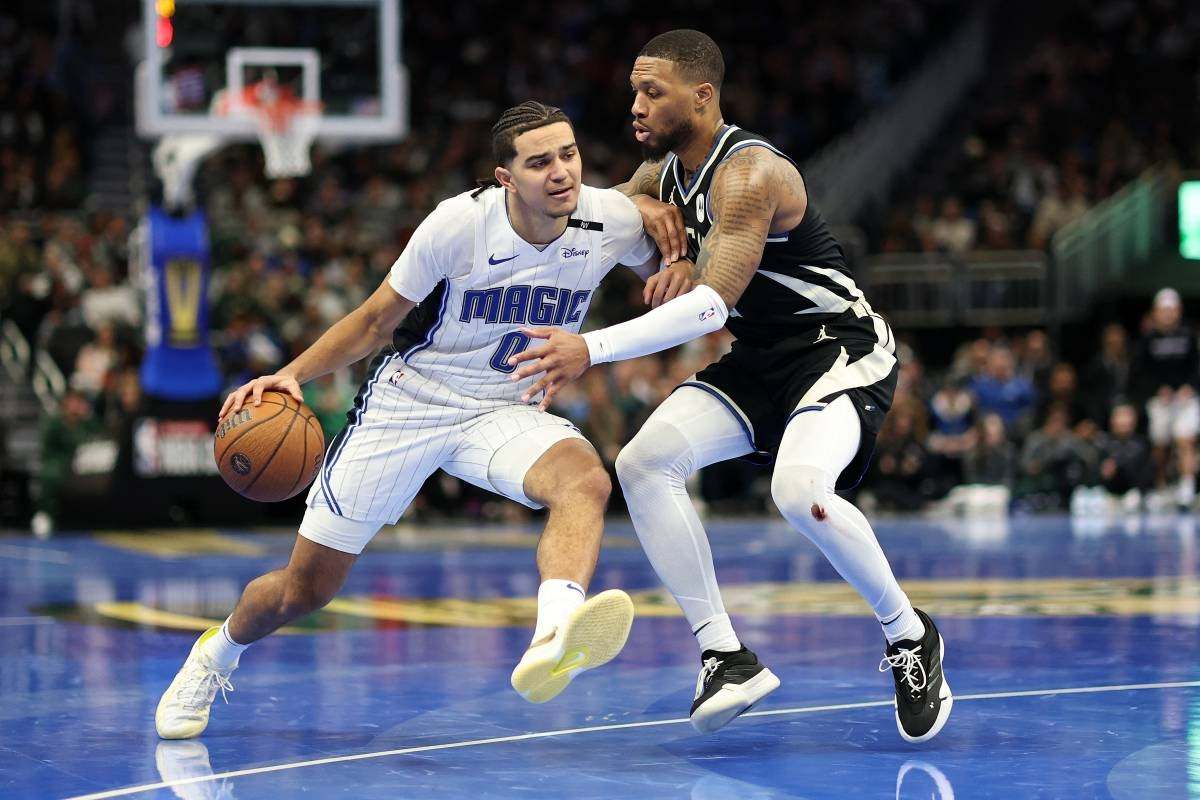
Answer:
[(519, 119)]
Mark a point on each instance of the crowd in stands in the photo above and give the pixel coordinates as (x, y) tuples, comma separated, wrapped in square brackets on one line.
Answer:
[(1009, 414), (1067, 125), (292, 256)]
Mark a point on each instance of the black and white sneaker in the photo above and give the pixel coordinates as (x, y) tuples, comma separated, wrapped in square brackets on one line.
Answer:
[(923, 699), (729, 684)]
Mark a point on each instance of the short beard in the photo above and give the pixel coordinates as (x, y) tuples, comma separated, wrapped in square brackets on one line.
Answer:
[(669, 141), (561, 214)]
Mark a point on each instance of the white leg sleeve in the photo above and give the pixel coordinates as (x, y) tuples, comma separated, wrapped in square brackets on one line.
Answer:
[(690, 430), (816, 447)]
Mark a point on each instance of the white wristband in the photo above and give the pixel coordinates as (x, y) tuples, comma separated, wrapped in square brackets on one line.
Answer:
[(687, 317)]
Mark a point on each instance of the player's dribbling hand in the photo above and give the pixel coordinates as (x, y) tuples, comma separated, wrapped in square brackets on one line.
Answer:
[(664, 223), (668, 284), (254, 390), (562, 359)]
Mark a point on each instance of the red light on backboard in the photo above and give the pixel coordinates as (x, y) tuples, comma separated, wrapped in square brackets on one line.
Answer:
[(165, 33)]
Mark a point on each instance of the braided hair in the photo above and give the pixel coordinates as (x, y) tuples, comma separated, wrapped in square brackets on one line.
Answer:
[(519, 119)]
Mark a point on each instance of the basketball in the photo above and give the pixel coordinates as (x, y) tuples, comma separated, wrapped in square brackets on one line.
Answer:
[(269, 452)]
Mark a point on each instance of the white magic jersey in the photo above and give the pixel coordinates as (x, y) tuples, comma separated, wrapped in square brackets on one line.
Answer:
[(478, 283)]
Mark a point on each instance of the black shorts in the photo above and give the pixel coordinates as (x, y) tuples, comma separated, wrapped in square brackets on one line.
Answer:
[(766, 386)]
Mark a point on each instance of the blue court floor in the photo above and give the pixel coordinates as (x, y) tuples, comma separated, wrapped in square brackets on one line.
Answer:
[(1072, 650)]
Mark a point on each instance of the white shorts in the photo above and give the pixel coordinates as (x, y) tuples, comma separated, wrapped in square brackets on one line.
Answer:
[(406, 426), (1178, 418)]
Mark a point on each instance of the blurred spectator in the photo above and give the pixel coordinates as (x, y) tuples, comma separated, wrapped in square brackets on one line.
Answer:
[(996, 226), (971, 360), (992, 460), (329, 396), (900, 471), (1125, 468), (1164, 376), (61, 436), (1053, 462), (1002, 391), (105, 302), (1062, 390), (1065, 205), (952, 412), (951, 231), (1036, 358), (1107, 376), (94, 361)]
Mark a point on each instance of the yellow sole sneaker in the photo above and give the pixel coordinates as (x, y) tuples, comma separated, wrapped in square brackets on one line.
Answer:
[(592, 635)]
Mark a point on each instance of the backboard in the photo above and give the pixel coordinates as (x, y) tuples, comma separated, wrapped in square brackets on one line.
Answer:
[(341, 54)]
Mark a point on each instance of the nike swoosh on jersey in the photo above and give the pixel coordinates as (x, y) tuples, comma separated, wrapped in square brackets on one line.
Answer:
[(492, 259)]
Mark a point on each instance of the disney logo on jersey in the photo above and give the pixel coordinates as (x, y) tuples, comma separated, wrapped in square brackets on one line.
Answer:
[(571, 252)]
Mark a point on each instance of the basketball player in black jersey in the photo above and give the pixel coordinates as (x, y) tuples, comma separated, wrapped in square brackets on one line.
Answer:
[(806, 385)]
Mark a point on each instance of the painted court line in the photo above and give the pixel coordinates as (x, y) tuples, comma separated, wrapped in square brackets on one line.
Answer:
[(1129, 687), (10, 621), (35, 554)]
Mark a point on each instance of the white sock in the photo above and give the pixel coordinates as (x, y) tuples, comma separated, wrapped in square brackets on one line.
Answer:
[(556, 599), (905, 624), (221, 649), (716, 633)]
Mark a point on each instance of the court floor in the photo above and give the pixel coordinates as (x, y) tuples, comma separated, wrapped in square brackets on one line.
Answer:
[(1072, 649)]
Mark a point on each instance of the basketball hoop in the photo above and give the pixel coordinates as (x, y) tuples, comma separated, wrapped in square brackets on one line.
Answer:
[(286, 125), (176, 158)]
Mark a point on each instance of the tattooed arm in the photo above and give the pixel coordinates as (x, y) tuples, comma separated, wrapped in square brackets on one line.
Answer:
[(662, 221), (750, 191), (644, 180)]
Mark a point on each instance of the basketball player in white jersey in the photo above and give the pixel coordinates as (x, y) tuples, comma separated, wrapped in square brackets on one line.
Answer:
[(806, 385), (528, 251)]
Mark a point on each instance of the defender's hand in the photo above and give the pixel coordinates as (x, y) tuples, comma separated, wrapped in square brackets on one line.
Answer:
[(668, 284), (664, 223), (255, 388), (562, 359)]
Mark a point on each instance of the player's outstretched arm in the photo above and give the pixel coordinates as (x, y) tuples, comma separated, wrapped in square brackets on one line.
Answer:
[(356, 335), (663, 221), (644, 181), (744, 197)]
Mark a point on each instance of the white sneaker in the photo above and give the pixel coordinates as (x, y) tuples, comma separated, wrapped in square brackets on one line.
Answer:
[(183, 710), (591, 635)]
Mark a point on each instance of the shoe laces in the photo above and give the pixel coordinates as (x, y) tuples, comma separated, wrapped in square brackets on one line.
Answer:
[(709, 668), (200, 687), (912, 670)]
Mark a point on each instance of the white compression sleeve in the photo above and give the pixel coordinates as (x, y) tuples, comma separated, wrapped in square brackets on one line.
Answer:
[(687, 317)]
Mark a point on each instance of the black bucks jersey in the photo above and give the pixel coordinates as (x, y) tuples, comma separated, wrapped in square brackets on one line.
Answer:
[(805, 333), (803, 281)]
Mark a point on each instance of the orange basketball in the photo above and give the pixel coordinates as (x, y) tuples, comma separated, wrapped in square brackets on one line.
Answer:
[(269, 452)]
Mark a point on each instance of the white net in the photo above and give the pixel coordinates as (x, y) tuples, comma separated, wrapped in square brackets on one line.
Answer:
[(286, 136)]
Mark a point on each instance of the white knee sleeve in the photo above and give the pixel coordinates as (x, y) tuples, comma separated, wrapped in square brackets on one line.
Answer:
[(658, 452)]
